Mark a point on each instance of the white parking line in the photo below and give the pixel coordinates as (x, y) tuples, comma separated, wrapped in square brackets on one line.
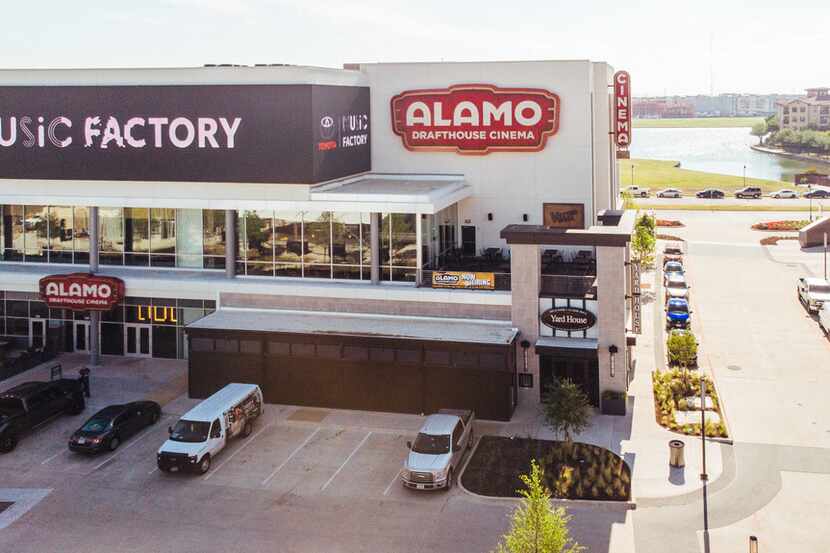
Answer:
[(138, 438), (293, 453), (392, 483), (243, 446), (333, 476), (51, 457)]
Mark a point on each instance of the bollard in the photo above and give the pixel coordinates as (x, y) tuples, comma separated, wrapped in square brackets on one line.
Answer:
[(85, 380)]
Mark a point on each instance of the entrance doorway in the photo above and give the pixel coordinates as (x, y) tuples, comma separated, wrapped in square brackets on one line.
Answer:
[(583, 371), (138, 340), (468, 240), (37, 333), (80, 336)]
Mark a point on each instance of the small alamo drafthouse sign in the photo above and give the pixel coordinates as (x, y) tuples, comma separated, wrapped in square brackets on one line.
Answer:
[(82, 291), (568, 319), (460, 279), (563, 215), (475, 118)]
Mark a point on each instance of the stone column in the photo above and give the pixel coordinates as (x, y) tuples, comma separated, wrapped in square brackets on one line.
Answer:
[(525, 282), (611, 315), (94, 316), (230, 243), (374, 220)]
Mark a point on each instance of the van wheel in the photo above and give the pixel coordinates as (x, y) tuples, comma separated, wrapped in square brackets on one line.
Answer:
[(204, 466), (7, 443), (247, 429)]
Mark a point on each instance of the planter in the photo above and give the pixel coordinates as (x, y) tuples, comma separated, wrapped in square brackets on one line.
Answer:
[(613, 405)]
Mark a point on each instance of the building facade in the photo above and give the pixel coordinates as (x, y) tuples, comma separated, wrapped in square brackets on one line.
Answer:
[(337, 235), (809, 112)]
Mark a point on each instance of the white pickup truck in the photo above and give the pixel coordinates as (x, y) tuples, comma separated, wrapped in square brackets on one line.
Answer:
[(435, 457), (637, 191)]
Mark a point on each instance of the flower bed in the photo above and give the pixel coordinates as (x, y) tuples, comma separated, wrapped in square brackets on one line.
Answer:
[(773, 240), (669, 237), (581, 471), (669, 223), (670, 390), (781, 225)]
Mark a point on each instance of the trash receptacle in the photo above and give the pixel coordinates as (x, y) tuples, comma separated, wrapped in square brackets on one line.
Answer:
[(676, 457)]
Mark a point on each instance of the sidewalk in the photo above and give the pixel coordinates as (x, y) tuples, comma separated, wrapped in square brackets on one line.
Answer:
[(636, 437)]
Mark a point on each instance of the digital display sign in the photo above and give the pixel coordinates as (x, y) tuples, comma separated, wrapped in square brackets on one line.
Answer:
[(158, 314)]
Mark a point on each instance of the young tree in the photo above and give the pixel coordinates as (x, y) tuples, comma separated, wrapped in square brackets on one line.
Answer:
[(682, 350), (644, 240), (536, 527), (566, 407), (759, 129)]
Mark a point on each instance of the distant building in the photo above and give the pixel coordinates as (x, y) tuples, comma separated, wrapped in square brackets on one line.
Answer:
[(703, 105), (810, 112)]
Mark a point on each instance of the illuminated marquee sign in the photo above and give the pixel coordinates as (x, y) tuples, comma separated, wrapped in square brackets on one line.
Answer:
[(156, 314), (81, 291), (475, 118), (622, 109)]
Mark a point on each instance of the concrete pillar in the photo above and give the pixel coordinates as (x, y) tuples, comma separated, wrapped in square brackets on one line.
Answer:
[(525, 282), (94, 316), (230, 243), (374, 226), (611, 308)]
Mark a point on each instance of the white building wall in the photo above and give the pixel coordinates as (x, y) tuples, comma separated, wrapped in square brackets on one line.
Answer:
[(506, 184)]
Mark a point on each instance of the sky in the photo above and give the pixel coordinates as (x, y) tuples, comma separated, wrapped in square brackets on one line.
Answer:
[(757, 46)]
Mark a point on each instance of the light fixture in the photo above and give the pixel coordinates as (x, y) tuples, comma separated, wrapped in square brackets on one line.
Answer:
[(524, 217), (753, 544), (612, 349), (489, 216)]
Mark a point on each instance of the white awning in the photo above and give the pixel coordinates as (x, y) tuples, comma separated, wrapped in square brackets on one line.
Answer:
[(365, 193), (472, 331)]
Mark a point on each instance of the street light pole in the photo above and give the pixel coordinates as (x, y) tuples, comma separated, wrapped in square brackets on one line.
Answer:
[(810, 194), (632, 174), (825, 256), (744, 176), (703, 476)]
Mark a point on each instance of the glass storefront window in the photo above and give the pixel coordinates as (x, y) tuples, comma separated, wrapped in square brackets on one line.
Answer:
[(163, 237), (61, 230), (257, 240), (404, 240), (13, 233), (80, 234), (213, 238), (317, 233), (189, 234), (345, 233), (111, 236), (289, 246), (35, 233), (136, 235)]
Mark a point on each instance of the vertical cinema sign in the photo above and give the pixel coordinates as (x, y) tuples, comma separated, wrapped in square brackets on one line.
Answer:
[(622, 112)]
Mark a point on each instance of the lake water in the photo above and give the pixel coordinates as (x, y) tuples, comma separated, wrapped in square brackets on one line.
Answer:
[(723, 151)]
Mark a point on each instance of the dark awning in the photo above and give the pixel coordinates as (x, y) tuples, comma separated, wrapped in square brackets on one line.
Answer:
[(572, 347)]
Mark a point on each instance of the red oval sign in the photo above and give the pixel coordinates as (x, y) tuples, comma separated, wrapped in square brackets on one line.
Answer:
[(475, 118), (82, 291)]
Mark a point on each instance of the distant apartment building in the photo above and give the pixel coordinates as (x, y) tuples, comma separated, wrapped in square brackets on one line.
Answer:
[(703, 105), (810, 112), (660, 108)]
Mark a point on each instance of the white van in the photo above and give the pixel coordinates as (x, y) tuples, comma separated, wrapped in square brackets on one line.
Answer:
[(204, 430)]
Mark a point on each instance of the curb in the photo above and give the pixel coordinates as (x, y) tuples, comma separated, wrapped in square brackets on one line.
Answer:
[(629, 505)]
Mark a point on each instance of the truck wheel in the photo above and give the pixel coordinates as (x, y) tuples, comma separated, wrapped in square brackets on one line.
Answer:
[(247, 429), (7, 443), (204, 466)]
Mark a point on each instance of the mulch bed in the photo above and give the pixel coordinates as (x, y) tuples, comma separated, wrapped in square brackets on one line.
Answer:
[(585, 472), (669, 237), (781, 225), (5, 505), (773, 240), (668, 223)]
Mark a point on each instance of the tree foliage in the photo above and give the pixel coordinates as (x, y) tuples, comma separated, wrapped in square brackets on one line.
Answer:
[(808, 139), (759, 129), (567, 409), (682, 348), (536, 526), (644, 240)]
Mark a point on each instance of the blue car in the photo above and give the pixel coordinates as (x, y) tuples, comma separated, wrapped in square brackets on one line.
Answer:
[(678, 314)]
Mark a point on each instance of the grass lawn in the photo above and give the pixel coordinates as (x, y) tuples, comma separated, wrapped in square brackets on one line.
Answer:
[(696, 122), (725, 207), (585, 472), (658, 174)]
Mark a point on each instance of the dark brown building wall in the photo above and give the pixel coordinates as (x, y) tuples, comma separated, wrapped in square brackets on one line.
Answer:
[(382, 307), (352, 372)]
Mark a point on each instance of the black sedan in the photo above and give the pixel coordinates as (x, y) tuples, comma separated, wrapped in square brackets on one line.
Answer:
[(112, 425), (818, 194), (712, 193)]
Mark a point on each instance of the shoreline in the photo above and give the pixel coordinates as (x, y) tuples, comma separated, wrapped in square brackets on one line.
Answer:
[(788, 155)]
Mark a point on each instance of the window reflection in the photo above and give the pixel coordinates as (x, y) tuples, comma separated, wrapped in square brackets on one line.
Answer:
[(13, 233), (111, 236), (163, 237), (345, 232), (80, 234), (404, 240), (61, 223), (317, 233), (35, 233), (288, 237)]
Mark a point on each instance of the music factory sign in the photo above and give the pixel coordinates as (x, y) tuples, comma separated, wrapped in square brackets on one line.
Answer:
[(568, 319), (81, 291), (460, 279), (475, 118)]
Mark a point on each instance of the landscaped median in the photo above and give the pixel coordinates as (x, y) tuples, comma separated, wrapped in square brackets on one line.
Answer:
[(793, 225), (677, 404), (572, 470)]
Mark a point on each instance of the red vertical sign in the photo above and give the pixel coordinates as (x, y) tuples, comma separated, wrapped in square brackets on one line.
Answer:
[(622, 109)]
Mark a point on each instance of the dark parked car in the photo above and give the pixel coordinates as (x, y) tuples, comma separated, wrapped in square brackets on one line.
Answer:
[(712, 193), (112, 425), (31, 404), (816, 194)]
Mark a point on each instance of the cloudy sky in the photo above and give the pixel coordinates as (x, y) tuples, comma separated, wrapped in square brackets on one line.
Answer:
[(668, 47)]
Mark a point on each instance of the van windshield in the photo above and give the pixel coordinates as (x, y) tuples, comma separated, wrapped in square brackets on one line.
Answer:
[(431, 444), (190, 431)]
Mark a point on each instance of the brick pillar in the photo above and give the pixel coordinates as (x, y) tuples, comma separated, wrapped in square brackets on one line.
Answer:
[(525, 277), (611, 290)]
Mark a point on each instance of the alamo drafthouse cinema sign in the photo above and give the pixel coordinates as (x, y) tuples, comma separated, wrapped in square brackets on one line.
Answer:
[(81, 291), (568, 319), (475, 118)]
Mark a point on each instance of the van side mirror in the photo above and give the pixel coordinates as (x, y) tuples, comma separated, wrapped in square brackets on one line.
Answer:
[(409, 445)]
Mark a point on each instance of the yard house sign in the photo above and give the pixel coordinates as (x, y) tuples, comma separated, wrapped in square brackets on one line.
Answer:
[(568, 319), (475, 118), (81, 292)]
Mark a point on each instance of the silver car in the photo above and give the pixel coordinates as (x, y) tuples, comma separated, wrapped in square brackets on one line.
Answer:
[(784, 193), (813, 293), (670, 193), (676, 286)]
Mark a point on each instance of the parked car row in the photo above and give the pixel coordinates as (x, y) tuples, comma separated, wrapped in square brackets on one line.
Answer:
[(678, 313), (748, 192)]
